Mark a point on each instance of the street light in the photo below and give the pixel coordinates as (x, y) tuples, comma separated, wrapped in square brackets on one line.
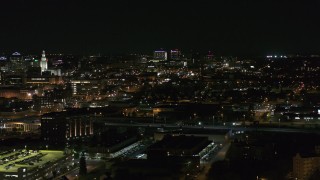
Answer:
[(212, 120)]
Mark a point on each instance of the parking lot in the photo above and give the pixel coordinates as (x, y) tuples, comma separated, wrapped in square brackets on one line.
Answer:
[(11, 160)]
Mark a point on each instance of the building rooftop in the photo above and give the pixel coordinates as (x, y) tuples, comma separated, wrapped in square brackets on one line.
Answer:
[(181, 143), (12, 161)]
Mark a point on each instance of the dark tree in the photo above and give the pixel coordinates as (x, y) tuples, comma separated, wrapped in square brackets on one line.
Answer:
[(83, 165), (54, 173), (64, 178)]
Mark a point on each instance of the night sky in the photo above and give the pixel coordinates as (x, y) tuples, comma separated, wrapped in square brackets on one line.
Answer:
[(226, 27)]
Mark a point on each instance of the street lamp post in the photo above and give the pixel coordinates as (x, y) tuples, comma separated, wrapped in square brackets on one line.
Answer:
[(212, 120)]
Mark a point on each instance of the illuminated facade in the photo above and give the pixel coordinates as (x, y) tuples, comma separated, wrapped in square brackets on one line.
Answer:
[(160, 55), (305, 166), (16, 92), (44, 80), (175, 54), (16, 63), (20, 126), (58, 128), (86, 87), (44, 62)]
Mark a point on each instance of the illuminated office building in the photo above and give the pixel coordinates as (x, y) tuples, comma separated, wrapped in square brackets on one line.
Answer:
[(175, 54), (160, 55)]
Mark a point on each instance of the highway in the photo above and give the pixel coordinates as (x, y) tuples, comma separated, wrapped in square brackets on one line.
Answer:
[(208, 127)]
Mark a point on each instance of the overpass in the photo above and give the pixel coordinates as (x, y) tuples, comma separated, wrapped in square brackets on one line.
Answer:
[(208, 127)]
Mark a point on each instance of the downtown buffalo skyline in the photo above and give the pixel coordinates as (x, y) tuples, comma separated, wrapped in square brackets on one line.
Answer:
[(176, 89), (185, 54)]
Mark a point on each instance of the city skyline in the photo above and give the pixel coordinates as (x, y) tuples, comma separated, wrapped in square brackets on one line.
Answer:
[(147, 90)]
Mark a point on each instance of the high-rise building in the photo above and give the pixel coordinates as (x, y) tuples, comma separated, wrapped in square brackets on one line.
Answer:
[(30, 61), (209, 56), (4, 65), (175, 54), (305, 165), (44, 62), (16, 63), (160, 55), (60, 127)]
